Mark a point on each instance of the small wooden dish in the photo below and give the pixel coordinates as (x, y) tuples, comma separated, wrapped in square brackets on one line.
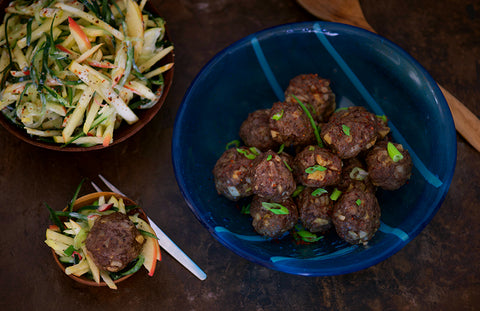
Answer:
[(125, 130), (88, 200)]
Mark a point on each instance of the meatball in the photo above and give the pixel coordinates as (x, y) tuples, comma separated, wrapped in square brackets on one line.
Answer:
[(232, 173), (383, 171), (356, 216), (355, 175), (271, 178), (350, 131), (113, 242), (315, 93), (317, 167), (255, 130), (290, 125), (271, 218), (314, 210)]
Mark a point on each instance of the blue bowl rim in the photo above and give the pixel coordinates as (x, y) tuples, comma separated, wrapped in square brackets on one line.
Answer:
[(386, 253)]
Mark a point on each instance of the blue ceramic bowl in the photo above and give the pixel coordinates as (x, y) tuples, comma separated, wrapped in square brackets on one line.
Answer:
[(365, 70)]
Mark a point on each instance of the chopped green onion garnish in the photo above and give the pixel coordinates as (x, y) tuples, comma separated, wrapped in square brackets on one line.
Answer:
[(312, 169), (358, 202), (335, 194), (298, 190), (318, 192), (383, 117), (269, 157), (245, 209), (311, 148), (277, 209), (246, 153), (288, 166), (280, 150), (254, 150), (358, 173), (346, 129), (393, 152), (307, 236), (312, 121), (235, 143), (340, 109), (278, 115)]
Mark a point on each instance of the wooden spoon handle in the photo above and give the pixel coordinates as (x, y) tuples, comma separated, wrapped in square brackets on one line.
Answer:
[(350, 12), (466, 123)]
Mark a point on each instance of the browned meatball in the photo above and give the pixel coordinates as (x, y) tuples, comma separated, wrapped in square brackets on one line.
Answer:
[(317, 167), (290, 125), (350, 131), (355, 175), (271, 178), (315, 93), (356, 216), (232, 173), (255, 130), (383, 171), (315, 209), (113, 242), (271, 218)]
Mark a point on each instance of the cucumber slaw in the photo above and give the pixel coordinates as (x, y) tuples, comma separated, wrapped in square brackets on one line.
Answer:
[(67, 236), (72, 71)]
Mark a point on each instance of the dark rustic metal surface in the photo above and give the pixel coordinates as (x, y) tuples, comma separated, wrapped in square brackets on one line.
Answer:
[(438, 270)]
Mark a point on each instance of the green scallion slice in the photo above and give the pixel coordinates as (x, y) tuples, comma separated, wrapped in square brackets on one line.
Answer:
[(280, 150), (318, 192), (235, 143), (245, 209), (342, 108), (254, 150), (307, 236), (278, 115), (335, 194), (312, 121), (246, 153), (288, 166), (277, 209), (358, 202), (298, 190), (383, 118), (269, 157), (346, 129), (312, 169), (358, 173), (393, 152)]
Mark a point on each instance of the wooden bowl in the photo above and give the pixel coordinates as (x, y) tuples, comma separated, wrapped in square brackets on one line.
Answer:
[(88, 200), (125, 130)]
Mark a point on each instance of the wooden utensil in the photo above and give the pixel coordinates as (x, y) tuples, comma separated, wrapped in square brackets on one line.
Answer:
[(350, 12)]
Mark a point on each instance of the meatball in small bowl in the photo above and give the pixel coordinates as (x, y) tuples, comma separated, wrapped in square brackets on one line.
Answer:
[(102, 239)]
